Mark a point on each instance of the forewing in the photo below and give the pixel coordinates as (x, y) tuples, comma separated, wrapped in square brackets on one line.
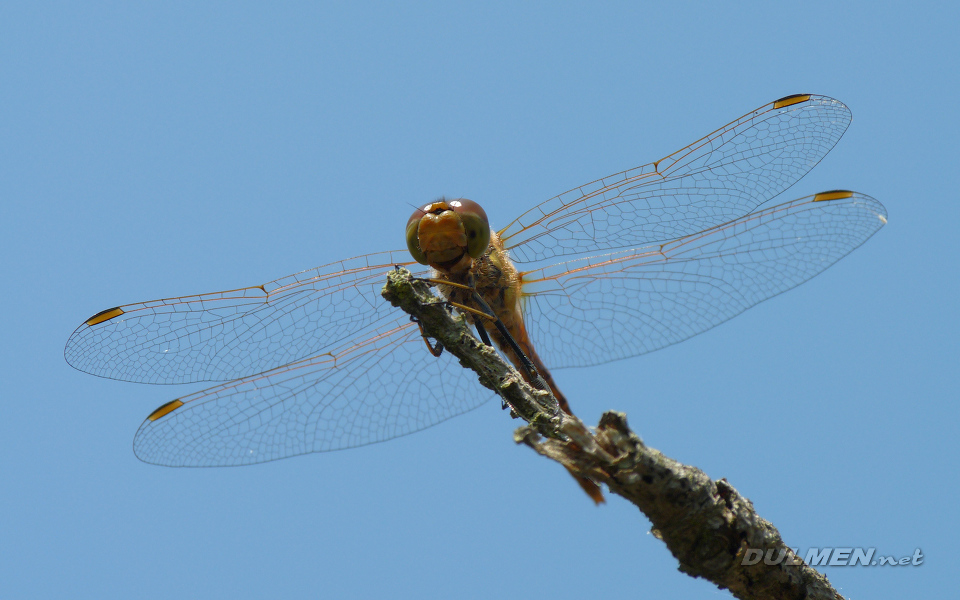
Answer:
[(226, 335), (718, 178), (384, 387), (609, 307)]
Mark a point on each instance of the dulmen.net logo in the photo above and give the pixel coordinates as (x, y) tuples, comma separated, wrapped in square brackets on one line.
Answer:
[(830, 557)]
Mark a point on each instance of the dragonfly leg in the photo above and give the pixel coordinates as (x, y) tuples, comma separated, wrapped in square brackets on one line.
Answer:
[(435, 350), (481, 330), (484, 336), (526, 365)]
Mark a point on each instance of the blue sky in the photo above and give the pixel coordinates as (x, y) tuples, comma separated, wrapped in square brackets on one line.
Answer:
[(152, 151)]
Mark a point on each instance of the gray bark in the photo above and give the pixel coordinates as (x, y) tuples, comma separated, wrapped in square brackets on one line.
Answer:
[(706, 524)]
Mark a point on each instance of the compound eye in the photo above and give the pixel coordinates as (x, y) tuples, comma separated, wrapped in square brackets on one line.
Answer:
[(413, 240), (475, 225)]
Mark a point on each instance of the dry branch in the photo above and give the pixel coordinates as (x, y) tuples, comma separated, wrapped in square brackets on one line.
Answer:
[(707, 525)]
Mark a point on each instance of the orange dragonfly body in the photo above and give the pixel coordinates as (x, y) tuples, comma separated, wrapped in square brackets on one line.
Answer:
[(478, 278), (624, 265)]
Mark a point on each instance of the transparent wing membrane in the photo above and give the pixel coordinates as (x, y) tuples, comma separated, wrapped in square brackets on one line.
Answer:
[(226, 335), (603, 308), (716, 179), (384, 387)]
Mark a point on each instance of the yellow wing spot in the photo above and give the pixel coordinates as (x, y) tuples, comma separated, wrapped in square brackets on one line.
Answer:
[(164, 410), (791, 100), (834, 195), (104, 315)]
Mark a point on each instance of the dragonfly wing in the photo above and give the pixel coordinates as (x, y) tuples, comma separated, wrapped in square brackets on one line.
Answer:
[(718, 178), (384, 387), (618, 305), (226, 335)]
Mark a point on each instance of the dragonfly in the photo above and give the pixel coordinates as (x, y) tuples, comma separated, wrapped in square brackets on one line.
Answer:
[(618, 267)]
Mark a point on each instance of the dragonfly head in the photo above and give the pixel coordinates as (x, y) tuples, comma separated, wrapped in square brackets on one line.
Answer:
[(448, 234)]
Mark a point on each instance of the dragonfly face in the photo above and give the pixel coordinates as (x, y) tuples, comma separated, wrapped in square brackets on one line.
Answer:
[(614, 268), (448, 234)]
